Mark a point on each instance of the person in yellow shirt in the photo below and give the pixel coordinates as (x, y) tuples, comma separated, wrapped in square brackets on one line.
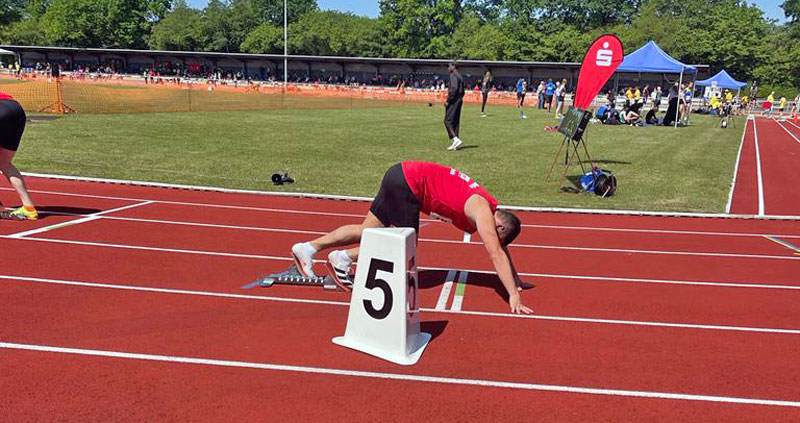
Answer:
[(766, 109), (715, 103), (728, 96), (637, 95), (782, 105), (628, 97)]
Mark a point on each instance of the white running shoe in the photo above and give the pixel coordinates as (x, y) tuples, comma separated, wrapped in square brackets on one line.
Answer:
[(456, 143), (339, 268), (302, 260)]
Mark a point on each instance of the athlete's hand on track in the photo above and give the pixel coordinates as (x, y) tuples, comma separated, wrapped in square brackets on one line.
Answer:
[(515, 301)]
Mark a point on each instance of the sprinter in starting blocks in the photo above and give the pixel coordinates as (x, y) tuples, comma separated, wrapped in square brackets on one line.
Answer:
[(407, 189)]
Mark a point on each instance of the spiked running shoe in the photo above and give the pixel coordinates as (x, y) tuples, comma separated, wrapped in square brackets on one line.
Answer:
[(303, 261), (19, 214), (339, 272)]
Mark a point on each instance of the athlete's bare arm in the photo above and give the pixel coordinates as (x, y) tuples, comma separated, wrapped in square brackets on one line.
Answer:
[(477, 209)]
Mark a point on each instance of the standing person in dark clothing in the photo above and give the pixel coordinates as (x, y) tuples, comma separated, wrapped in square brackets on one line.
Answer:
[(452, 113), (486, 86), (12, 125)]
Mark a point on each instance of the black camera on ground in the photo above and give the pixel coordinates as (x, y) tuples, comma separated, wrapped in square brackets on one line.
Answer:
[(280, 179)]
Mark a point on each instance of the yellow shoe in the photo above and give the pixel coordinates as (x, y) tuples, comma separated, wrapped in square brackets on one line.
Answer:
[(20, 214)]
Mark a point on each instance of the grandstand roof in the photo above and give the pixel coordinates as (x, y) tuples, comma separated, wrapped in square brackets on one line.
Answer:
[(276, 57)]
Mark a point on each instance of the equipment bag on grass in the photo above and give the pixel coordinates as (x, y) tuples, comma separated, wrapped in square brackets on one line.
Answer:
[(599, 181)]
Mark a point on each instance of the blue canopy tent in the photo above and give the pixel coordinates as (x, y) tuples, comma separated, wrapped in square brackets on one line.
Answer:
[(651, 59), (722, 80)]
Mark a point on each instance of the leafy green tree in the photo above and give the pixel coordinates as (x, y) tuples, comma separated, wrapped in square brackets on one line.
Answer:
[(11, 11), (179, 30), (266, 38), (791, 8), (418, 28), (476, 40), (334, 33), (24, 32), (272, 10), (101, 23)]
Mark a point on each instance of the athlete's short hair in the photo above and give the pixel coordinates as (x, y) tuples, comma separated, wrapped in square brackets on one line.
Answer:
[(511, 225)]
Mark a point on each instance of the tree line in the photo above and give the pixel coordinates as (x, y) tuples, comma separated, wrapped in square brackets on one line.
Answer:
[(728, 34)]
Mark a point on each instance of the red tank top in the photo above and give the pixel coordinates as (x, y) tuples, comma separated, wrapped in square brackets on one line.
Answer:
[(443, 192), (4, 96)]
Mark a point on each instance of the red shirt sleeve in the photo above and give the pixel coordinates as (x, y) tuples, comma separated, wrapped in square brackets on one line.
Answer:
[(443, 192), (4, 96)]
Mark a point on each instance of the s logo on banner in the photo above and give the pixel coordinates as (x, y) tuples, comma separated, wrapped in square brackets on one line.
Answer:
[(604, 56)]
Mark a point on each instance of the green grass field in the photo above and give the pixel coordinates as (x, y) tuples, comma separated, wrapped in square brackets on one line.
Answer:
[(346, 151)]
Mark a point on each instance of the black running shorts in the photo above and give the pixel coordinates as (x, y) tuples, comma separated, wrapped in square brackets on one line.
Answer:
[(396, 205), (12, 124)]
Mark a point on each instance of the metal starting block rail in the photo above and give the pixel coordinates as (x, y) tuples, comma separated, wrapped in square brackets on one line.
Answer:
[(293, 277)]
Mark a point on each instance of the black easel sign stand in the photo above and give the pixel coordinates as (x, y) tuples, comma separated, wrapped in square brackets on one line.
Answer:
[(573, 127)]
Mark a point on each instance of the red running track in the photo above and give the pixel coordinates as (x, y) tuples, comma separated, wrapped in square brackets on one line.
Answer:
[(687, 272), (778, 155)]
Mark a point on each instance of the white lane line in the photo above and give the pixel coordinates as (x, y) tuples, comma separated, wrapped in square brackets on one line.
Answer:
[(792, 123), (187, 203), (168, 250), (88, 218), (457, 312), (218, 226), (788, 131), (444, 241), (365, 199), (444, 295), (736, 167), (458, 298), (398, 376), (360, 216), (465, 240), (280, 258), (557, 227), (758, 172), (657, 231), (663, 281)]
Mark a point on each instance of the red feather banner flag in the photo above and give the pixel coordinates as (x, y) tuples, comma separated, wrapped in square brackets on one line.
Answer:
[(601, 61)]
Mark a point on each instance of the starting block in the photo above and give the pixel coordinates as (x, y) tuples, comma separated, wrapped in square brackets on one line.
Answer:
[(384, 308), (294, 277)]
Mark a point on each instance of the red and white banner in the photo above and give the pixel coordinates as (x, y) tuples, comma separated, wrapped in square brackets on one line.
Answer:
[(602, 59)]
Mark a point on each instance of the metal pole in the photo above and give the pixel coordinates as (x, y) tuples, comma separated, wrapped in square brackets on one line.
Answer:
[(285, 44)]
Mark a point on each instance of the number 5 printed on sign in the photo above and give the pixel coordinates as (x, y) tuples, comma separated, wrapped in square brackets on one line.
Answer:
[(384, 316)]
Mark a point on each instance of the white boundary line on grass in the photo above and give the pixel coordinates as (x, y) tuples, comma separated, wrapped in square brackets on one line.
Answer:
[(736, 167), (398, 376), (758, 172), (352, 198), (572, 319)]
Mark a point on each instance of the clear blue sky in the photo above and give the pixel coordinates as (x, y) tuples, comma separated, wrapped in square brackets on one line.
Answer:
[(771, 8)]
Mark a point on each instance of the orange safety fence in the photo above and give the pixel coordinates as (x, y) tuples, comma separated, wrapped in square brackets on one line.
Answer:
[(118, 95)]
